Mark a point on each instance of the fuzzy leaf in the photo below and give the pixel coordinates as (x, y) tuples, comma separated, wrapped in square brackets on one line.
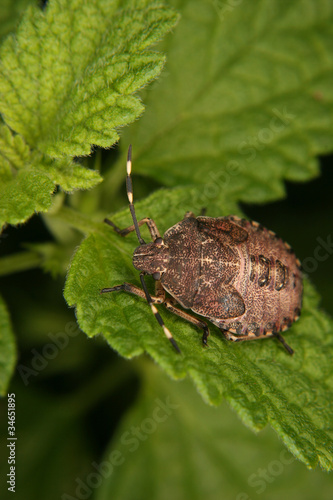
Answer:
[(175, 446), (28, 178), (67, 80), (258, 379), (7, 349), (67, 77), (246, 100), (238, 111)]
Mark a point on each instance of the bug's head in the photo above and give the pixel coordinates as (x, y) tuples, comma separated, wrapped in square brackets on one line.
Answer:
[(152, 258)]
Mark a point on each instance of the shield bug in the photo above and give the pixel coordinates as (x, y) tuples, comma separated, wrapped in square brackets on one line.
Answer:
[(232, 271)]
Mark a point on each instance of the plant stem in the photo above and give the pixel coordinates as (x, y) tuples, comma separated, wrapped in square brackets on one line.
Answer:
[(21, 261)]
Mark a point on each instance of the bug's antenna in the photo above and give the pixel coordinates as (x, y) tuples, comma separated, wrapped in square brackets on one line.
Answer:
[(129, 188)]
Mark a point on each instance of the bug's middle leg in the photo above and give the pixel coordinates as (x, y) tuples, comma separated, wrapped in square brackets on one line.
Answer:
[(169, 303)]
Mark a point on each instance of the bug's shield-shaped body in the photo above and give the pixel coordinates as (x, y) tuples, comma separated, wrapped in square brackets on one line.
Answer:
[(236, 273)]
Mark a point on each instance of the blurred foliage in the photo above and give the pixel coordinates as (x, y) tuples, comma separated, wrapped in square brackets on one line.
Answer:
[(10, 14)]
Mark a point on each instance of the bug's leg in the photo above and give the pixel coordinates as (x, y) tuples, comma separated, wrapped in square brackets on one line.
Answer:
[(127, 287), (192, 214), (283, 342), (159, 292), (240, 338), (157, 314), (189, 214), (170, 305), (124, 232)]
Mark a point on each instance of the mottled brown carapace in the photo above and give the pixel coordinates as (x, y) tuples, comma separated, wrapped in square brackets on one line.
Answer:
[(234, 272)]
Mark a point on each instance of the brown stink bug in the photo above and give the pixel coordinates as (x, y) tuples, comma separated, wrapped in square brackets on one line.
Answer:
[(234, 272)]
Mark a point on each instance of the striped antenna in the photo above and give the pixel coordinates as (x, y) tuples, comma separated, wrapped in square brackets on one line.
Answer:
[(129, 188)]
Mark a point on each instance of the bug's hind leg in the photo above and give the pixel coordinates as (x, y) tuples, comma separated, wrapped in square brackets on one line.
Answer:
[(283, 342), (169, 303), (240, 338)]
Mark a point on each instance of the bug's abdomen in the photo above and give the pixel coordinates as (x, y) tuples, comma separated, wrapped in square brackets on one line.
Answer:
[(269, 282)]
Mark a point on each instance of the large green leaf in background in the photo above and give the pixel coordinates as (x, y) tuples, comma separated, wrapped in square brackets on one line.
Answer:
[(259, 379), (247, 89), (67, 79), (245, 102)]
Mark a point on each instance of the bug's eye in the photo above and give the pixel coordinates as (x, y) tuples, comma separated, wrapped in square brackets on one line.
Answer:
[(156, 276), (159, 241)]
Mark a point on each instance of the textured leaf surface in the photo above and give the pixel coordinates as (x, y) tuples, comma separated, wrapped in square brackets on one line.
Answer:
[(259, 379), (28, 178), (67, 77), (250, 93), (67, 80), (7, 348), (174, 446)]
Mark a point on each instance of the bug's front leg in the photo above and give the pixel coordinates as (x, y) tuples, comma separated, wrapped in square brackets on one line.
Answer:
[(124, 232), (128, 287)]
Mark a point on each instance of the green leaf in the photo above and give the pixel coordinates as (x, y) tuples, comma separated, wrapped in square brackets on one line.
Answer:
[(174, 446), (7, 348), (258, 379), (238, 111), (67, 77), (28, 178), (246, 100), (67, 80)]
